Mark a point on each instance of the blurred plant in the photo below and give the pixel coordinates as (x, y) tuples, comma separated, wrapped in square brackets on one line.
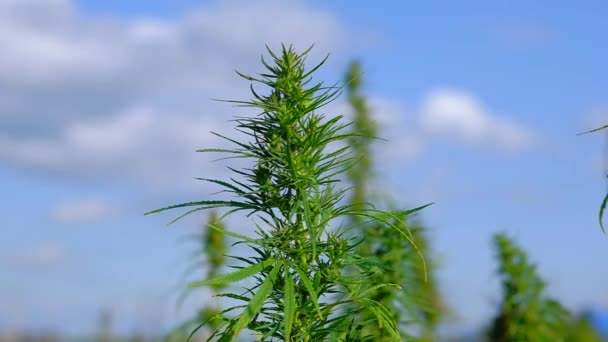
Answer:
[(214, 244), (426, 306), (104, 326), (605, 200), (582, 330), (301, 291), (212, 249), (526, 314), (416, 303)]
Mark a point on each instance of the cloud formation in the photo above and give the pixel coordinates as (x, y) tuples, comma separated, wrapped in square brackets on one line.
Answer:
[(453, 115), (460, 116), (105, 97)]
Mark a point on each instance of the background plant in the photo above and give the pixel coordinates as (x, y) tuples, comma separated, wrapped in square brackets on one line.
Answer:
[(582, 330), (416, 304), (526, 314), (301, 291), (210, 256)]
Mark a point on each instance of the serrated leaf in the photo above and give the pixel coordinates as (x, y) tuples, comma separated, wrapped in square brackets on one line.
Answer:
[(224, 184), (221, 150), (198, 203), (311, 290), (257, 301), (235, 276)]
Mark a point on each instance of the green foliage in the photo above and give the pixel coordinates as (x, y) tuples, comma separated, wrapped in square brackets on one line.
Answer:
[(214, 246), (526, 314), (212, 249), (415, 301), (427, 307), (302, 268), (365, 131), (583, 331)]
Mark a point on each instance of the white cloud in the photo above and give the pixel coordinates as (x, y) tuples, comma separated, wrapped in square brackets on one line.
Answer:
[(460, 115), (82, 211), (120, 98), (441, 113), (395, 126), (450, 114)]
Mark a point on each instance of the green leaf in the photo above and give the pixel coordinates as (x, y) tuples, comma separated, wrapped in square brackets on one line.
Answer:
[(594, 130), (224, 184), (414, 210), (310, 288), (373, 288), (234, 235), (235, 276), (199, 203), (602, 208), (219, 150), (383, 316), (289, 305), (257, 301), (384, 218)]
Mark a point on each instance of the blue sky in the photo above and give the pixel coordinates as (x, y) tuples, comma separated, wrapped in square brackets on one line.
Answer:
[(104, 103)]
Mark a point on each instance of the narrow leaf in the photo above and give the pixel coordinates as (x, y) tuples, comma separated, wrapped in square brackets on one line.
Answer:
[(310, 288), (602, 208), (235, 276), (199, 203), (594, 130), (256, 303)]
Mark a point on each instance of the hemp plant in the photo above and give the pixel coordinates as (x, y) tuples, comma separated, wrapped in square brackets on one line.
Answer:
[(582, 330), (211, 253), (214, 245), (416, 304), (292, 193), (526, 314)]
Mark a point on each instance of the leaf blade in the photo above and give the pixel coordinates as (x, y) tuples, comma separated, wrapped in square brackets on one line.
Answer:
[(311, 290), (235, 276), (601, 215), (257, 301), (594, 130)]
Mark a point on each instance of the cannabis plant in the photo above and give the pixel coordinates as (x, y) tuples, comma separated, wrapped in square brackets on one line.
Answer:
[(210, 255), (526, 314), (416, 304), (582, 330), (300, 284)]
